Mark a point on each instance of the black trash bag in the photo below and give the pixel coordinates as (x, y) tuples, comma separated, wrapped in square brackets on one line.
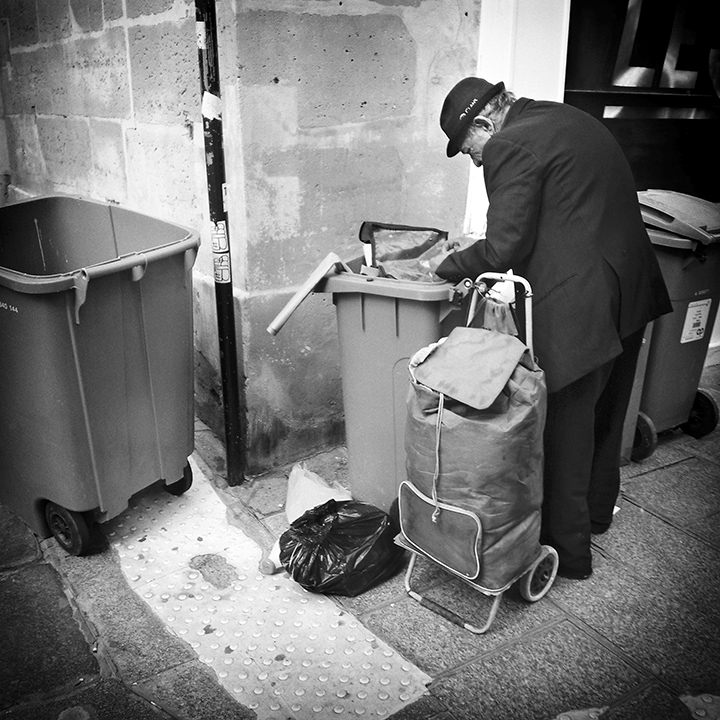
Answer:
[(340, 548)]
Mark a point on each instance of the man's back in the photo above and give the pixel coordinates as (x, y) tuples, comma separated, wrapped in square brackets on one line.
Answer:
[(564, 213)]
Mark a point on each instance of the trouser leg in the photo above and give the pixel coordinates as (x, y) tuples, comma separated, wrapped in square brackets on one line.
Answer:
[(569, 444), (609, 419)]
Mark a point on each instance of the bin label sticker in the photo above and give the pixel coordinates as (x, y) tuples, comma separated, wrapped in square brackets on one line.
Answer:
[(221, 263), (219, 237), (8, 307), (696, 319)]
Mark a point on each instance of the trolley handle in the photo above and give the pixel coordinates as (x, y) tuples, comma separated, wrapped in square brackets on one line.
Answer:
[(481, 288)]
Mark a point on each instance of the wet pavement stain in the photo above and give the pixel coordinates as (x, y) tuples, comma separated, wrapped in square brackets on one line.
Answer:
[(215, 569)]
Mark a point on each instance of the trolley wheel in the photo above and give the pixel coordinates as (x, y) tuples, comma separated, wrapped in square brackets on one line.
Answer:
[(645, 440), (71, 529), (182, 485), (535, 583), (703, 415)]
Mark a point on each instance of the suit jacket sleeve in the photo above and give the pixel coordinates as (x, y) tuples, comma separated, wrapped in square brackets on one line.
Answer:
[(513, 178)]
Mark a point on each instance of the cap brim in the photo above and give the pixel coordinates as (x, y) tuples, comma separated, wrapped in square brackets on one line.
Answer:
[(454, 144), (453, 148)]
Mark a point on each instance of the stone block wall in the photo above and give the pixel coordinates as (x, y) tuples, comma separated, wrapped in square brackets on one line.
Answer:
[(87, 91), (330, 114)]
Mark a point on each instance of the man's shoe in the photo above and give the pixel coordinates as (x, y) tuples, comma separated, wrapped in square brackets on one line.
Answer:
[(599, 528), (573, 574)]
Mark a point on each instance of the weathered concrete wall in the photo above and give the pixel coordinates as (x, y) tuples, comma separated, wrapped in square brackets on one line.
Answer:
[(339, 107), (330, 112), (98, 106)]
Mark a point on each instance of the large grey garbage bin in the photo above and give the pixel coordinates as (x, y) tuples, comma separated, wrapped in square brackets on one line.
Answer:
[(685, 232), (96, 358)]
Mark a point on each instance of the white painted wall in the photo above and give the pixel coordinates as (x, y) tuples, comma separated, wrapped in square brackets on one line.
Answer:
[(524, 44)]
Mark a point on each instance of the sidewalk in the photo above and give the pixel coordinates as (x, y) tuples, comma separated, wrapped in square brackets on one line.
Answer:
[(76, 643), (173, 619)]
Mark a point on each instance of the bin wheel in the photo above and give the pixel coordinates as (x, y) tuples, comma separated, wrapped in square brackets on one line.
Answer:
[(703, 415), (535, 583), (645, 440), (182, 485), (71, 529)]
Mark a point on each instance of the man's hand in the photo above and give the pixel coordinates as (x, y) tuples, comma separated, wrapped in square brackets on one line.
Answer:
[(432, 258), (461, 242), (456, 243)]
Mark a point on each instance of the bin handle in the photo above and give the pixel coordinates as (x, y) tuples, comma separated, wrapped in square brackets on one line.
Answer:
[(190, 256), (330, 265), (130, 260), (137, 272), (80, 285)]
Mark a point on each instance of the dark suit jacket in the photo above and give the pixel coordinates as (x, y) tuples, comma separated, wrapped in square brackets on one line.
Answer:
[(564, 214)]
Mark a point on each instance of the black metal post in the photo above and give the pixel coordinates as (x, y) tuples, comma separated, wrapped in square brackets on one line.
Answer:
[(206, 30)]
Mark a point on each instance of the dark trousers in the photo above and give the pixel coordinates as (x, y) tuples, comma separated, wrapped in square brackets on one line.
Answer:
[(583, 439)]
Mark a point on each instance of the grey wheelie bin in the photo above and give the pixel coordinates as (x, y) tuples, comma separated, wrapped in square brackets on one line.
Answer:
[(685, 232), (381, 323), (96, 358)]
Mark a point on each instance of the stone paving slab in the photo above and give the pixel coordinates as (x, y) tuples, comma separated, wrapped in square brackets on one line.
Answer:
[(133, 639), (559, 669), (652, 702), (706, 448), (102, 700), (685, 493), (668, 556), (426, 707), (649, 624), (41, 647), (667, 453), (437, 646), (191, 691), (18, 545), (426, 575), (709, 528)]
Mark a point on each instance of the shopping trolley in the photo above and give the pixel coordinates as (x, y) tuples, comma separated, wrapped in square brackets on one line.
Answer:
[(472, 499)]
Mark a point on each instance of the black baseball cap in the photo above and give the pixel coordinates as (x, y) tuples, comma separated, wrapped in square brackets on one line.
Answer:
[(462, 104)]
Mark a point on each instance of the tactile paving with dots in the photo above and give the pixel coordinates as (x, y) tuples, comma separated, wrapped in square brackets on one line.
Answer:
[(278, 649)]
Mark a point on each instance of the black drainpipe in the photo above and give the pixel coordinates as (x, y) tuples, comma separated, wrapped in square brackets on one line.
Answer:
[(206, 30)]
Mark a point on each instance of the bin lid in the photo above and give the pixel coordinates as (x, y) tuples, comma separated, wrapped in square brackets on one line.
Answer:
[(670, 240), (682, 215), (389, 287)]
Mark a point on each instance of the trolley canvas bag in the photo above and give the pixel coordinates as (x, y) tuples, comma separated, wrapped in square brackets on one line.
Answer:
[(474, 433)]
